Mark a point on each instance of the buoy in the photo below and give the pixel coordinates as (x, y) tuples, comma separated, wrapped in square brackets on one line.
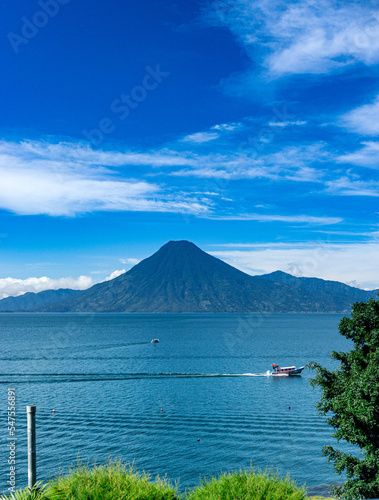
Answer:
[(161, 409)]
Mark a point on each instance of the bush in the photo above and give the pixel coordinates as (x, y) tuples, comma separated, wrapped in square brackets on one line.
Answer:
[(116, 481), (248, 485), (108, 482), (105, 482)]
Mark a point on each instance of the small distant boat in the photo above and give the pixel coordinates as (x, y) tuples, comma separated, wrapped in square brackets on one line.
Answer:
[(155, 341), (286, 371)]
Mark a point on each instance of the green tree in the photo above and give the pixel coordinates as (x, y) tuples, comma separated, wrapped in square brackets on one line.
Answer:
[(350, 399)]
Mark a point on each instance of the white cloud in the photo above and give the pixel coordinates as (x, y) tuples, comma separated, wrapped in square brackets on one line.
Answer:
[(363, 120), (367, 156), (69, 179), (115, 274), (14, 287), (215, 132), (319, 259), (39, 177), (348, 187), (291, 163), (76, 155), (66, 179), (227, 127), (302, 37), (200, 137), (130, 261), (286, 124), (292, 219)]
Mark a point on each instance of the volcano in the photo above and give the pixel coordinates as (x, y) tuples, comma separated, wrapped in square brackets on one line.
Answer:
[(181, 278)]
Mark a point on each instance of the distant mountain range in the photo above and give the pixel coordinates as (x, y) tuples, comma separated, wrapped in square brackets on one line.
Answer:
[(181, 278), (31, 301), (316, 284)]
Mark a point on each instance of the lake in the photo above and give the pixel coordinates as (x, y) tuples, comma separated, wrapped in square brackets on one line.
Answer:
[(197, 403)]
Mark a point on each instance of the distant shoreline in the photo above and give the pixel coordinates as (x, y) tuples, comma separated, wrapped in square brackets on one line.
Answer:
[(175, 313)]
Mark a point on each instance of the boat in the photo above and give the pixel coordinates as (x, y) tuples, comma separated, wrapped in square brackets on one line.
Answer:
[(285, 371), (155, 341)]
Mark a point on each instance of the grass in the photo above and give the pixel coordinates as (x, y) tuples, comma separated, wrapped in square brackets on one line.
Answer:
[(108, 482), (248, 485), (111, 481), (117, 481)]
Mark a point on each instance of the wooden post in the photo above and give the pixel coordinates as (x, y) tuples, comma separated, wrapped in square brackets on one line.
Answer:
[(32, 462)]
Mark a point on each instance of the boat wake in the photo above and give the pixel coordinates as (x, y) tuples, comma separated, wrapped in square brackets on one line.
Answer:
[(30, 378), (110, 346)]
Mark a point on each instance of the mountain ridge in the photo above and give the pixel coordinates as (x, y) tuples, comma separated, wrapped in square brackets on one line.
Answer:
[(180, 277), (319, 284), (33, 300)]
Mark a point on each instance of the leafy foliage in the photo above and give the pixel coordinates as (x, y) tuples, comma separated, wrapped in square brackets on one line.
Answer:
[(115, 480), (36, 494), (248, 485), (350, 398), (107, 482)]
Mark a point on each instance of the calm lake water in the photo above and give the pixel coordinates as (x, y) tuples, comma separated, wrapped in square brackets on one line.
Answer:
[(108, 384)]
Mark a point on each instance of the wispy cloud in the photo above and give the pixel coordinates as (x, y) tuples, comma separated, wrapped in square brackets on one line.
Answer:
[(227, 127), (215, 132), (79, 154), (367, 156), (364, 119), (293, 219), (287, 124), (69, 179), (301, 37), (350, 187), (200, 137), (290, 163)]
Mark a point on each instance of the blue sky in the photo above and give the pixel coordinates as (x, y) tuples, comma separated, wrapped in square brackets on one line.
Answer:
[(249, 128)]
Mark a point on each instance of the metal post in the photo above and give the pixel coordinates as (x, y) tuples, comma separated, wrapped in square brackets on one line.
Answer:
[(32, 463)]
